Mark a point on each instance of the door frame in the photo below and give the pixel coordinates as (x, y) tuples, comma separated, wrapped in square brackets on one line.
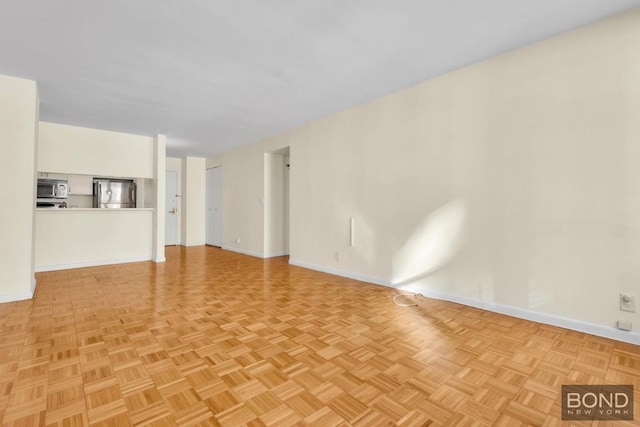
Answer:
[(209, 221), (177, 240)]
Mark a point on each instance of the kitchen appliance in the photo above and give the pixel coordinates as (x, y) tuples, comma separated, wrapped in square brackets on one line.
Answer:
[(114, 193), (52, 193), (52, 189), (50, 204)]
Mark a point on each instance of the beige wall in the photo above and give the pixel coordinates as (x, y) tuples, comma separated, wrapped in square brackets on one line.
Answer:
[(243, 196), (213, 162), (193, 182), (79, 150), (18, 131), (174, 164), (511, 184)]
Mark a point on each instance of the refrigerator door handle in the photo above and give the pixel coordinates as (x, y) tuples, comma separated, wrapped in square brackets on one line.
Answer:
[(132, 195), (100, 195), (96, 194)]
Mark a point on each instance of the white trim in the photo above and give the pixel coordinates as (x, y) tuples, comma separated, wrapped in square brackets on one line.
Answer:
[(349, 275), (277, 254), (16, 297), (188, 245), (536, 316), (71, 210), (521, 313), (161, 259), (41, 268), (243, 251)]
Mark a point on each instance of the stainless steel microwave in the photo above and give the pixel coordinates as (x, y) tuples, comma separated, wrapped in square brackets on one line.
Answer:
[(52, 189)]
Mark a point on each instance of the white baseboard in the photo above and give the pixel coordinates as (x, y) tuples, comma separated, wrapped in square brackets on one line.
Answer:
[(41, 268), (252, 253), (349, 275), (161, 259), (189, 244), (274, 255), (521, 313), (16, 297), (536, 316), (243, 251)]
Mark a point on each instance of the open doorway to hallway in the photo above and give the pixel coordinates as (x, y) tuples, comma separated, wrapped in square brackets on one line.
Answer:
[(276, 202)]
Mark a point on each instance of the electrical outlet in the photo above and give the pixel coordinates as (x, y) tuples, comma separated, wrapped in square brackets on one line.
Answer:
[(627, 303), (337, 255), (238, 240), (625, 325)]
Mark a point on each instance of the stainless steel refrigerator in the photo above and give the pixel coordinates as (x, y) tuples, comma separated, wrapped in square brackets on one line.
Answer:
[(114, 193)]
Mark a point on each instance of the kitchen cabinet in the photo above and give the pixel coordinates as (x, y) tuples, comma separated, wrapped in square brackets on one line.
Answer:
[(49, 175), (80, 185)]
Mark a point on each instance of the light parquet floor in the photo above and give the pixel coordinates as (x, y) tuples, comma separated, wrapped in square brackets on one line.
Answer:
[(217, 338)]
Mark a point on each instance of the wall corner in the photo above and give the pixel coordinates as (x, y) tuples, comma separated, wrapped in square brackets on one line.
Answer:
[(159, 170)]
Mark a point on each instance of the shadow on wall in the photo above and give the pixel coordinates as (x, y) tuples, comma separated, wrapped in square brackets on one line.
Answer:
[(432, 244)]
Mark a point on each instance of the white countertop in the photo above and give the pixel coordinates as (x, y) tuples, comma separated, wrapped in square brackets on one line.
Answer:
[(94, 210)]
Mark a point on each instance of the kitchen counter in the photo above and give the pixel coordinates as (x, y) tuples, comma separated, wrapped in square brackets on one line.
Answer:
[(93, 209), (82, 237)]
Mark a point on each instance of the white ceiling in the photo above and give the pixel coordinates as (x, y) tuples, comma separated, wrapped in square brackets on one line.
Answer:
[(216, 74)]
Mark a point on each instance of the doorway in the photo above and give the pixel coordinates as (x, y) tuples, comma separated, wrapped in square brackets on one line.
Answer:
[(214, 206), (171, 217), (276, 203)]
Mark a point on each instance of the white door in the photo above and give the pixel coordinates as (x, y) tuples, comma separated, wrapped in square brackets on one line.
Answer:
[(214, 206), (171, 203)]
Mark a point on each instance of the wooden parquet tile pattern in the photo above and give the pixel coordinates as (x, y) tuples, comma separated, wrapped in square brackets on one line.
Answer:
[(217, 338)]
